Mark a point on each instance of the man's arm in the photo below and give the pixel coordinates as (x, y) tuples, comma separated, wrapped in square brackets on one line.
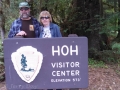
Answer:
[(12, 31)]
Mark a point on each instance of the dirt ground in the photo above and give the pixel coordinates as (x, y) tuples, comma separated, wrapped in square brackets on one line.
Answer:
[(99, 79)]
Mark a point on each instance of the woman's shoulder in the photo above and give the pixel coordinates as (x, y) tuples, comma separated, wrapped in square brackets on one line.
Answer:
[(53, 25)]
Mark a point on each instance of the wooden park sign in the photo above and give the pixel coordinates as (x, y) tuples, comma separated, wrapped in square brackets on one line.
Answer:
[(34, 63)]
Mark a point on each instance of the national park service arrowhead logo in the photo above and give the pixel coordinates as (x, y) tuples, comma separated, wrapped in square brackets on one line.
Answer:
[(27, 62)]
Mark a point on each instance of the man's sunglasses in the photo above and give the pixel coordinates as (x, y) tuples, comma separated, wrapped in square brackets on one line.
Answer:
[(44, 17), (24, 8)]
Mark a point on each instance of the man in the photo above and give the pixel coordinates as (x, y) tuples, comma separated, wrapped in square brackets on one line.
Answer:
[(25, 26)]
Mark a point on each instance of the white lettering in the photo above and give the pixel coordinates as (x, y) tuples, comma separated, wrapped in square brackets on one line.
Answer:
[(67, 50), (77, 64), (77, 72), (58, 73), (71, 50), (65, 64), (72, 64), (62, 73), (53, 73), (60, 80), (53, 65), (66, 73), (56, 51)]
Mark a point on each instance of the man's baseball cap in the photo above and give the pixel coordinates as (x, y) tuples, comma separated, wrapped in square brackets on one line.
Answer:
[(24, 4)]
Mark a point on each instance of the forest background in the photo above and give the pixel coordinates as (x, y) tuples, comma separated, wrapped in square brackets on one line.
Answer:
[(98, 20)]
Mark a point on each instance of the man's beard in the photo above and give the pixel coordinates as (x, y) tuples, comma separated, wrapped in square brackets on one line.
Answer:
[(24, 15)]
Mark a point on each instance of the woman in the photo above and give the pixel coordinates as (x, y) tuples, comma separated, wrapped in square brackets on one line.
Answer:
[(48, 29)]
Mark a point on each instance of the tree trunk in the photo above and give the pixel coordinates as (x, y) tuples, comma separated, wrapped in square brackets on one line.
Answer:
[(93, 7), (7, 2), (76, 27), (2, 20), (101, 8), (115, 5), (117, 39), (119, 20)]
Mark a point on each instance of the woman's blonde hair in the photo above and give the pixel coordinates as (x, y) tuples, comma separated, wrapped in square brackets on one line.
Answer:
[(44, 13)]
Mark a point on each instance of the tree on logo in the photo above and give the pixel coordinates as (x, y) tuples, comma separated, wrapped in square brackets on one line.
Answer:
[(23, 62)]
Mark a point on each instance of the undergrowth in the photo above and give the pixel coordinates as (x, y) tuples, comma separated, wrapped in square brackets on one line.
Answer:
[(96, 64)]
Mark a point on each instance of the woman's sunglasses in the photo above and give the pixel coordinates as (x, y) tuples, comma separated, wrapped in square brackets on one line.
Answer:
[(44, 17)]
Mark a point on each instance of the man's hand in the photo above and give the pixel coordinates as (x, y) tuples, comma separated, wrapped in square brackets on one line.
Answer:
[(21, 33)]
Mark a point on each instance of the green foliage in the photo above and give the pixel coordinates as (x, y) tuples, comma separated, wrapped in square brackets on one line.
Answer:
[(1, 61), (110, 24), (110, 17), (1, 78), (60, 9), (8, 24), (1, 49), (11, 13), (96, 64), (63, 14), (116, 47), (93, 53), (109, 56), (116, 50)]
